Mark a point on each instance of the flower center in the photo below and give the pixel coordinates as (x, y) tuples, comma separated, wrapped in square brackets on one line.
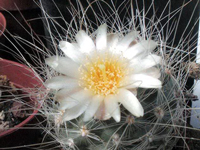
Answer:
[(103, 73)]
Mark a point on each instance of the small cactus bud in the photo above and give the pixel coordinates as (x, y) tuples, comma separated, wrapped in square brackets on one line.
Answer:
[(194, 70), (116, 139), (130, 119), (58, 118), (159, 112), (70, 143), (84, 131), (168, 71), (150, 137)]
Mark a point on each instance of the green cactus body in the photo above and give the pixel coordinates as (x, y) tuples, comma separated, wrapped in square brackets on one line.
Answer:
[(155, 130)]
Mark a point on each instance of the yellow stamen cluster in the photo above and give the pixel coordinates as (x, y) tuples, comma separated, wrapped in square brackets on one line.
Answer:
[(103, 73)]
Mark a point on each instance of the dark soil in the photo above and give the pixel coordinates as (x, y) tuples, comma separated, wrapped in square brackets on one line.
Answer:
[(13, 104)]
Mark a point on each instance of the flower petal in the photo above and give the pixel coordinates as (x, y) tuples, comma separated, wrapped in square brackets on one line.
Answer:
[(112, 107), (144, 46), (85, 43), (61, 82), (102, 113), (101, 39), (112, 40), (143, 64), (153, 72), (93, 107), (126, 41), (68, 101), (134, 91), (71, 51), (141, 80), (130, 102), (63, 65), (76, 111), (66, 92)]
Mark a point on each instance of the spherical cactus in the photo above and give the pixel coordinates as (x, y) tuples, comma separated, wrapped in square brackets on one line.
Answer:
[(117, 84)]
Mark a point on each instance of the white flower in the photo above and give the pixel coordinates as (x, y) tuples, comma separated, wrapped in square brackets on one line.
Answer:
[(98, 76)]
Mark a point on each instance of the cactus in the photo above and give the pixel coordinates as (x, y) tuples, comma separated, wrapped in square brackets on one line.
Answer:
[(164, 107), (157, 117), (155, 130)]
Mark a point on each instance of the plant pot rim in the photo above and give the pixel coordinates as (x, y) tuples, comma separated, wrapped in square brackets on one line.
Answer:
[(38, 105), (2, 23)]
